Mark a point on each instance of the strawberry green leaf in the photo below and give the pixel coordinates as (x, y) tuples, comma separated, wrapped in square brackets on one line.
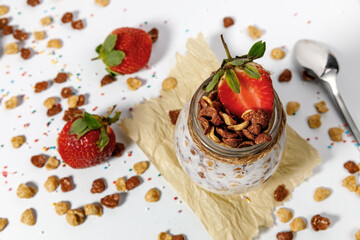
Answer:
[(98, 48), (214, 81), (232, 80), (257, 50), (82, 133), (103, 139), (240, 61), (78, 126), (91, 121), (114, 58), (115, 118), (251, 71), (109, 43), (111, 72)]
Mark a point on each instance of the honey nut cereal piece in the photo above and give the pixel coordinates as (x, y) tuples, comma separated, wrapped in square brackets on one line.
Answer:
[(60, 77), (227, 119), (119, 149), (133, 83), (33, 3), (169, 83), (212, 135), (178, 237), (11, 103), (357, 235), (254, 32), (120, 184), (285, 76), (52, 183), (292, 108), (132, 183), (67, 17), (321, 194), (228, 22), (25, 53), (45, 21), (17, 141), (110, 201), (174, 114), (61, 207), (66, 184), (81, 100), (28, 217), (107, 79), (38, 160), (78, 24), (49, 102), (41, 86), (350, 183), (93, 209), (20, 35), (7, 30), (321, 107), (164, 236), (284, 215), (98, 186), (54, 43), (314, 121), (154, 34), (320, 223), (284, 236), (280, 193), (75, 217), (11, 48), (72, 101), (277, 53), (4, 10), (3, 223), (25, 191), (39, 35), (351, 167), (66, 92), (141, 167), (239, 127), (153, 195), (102, 3), (335, 134), (71, 113), (297, 224), (54, 110)]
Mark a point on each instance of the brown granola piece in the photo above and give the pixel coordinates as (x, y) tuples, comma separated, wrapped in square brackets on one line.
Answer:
[(314, 121), (25, 53), (285, 76), (258, 116), (107, 79), (119, 149), (280, 193), (38, 160), (321, 107), (60, 78), (246, 144), (54, 110), (81, 100), (262, 137), (351, 167), (178, 237), (284, 236), (41, 86), (319, 223), (67, 17), (3, 22), (20, 35), (232, 142), (7, 30), (254, 128), (226, 134), (212, 113), (98, 186), (248, 134), (33, 3), (336, 134), (132, 183), (78, 24), (174, 114), (153, 33), (228, 21), (66, 184), (110, 201), (205, 125), (66, 92), (71, 113)]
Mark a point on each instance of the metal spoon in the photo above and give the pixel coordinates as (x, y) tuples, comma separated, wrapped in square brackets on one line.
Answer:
[(320, 63)]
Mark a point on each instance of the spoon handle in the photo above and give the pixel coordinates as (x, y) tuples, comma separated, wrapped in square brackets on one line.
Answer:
[(331, 79)]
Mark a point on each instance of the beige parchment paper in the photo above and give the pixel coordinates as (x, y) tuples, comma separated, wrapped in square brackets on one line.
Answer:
[(224, 217)]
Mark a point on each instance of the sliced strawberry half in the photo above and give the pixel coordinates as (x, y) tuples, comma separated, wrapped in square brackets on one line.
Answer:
[(254, 93)]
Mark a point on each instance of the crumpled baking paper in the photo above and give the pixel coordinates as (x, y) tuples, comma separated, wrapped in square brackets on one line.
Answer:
[(225, 217)]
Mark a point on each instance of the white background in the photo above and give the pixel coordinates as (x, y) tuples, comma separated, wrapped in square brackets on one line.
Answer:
[(336, 23)]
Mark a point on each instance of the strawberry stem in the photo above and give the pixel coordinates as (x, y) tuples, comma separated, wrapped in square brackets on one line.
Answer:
[(109, 112), (96, 58), (226, 47)]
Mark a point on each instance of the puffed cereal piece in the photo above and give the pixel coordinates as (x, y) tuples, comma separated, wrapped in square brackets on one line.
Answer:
[(357, 235), (314, 121), (25, 191), (11, 103), (254, 32), (54, 43), (49, 102), (75, 217), (4, 10), (321, 107), (284, 215), (11, 48), (321, 194), (102, 3), (52, 163), (3, 223), (52, 183), (292, 108), (17, 141), (358, 190), (141, 167), (28, 217), (120, 184), (350, 183), (277, 53), (164, 236), (61, 207), (39, 35), (45, 21), (93, 209), (169, 83), (72, 101), (335, 134), (133, 83), (153, 195), (297, 224)]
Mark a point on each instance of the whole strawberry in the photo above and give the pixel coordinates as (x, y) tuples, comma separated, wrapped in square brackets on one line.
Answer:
[(87, 140), (126, 50)]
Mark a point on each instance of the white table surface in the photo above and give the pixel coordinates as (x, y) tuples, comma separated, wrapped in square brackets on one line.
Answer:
[(335, 22)]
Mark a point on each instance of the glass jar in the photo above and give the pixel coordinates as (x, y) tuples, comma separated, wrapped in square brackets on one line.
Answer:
[(222, 169)]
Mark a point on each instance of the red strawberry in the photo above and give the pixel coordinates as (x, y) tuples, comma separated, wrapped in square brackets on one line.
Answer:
[(87, 140), (254, 93), (126, 50)]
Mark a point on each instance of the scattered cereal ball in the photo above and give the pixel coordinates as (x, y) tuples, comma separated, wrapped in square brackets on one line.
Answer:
[(336, 134), (285, 76), (321, 107), (54, 43), (93, 209), (11, 103), (4, 10), (277, 53), (292, 108), (314, 121), (72, 101), (3, 223), (350, 183), (284, 236), (11, 48), (169, 83), (119, 149), (45, 21), (284, 215), (254, 32), (133, 83), (24, 191), (51, 183), (49, 102), (164, 236), (25, 53), (75, 217), (61, 207), (357, 190), (120, 184), (67, 17), (228, 22), (17, 141), (41, 86), (178, 237), (28, 217), (297, 224), (153, 195), (33, 3), (141, 167), (107, 79), (351, 167), (40, 35), (132, 183), (78, 24), (102, 3), (52, 163), (357, 235), (321, 194)]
